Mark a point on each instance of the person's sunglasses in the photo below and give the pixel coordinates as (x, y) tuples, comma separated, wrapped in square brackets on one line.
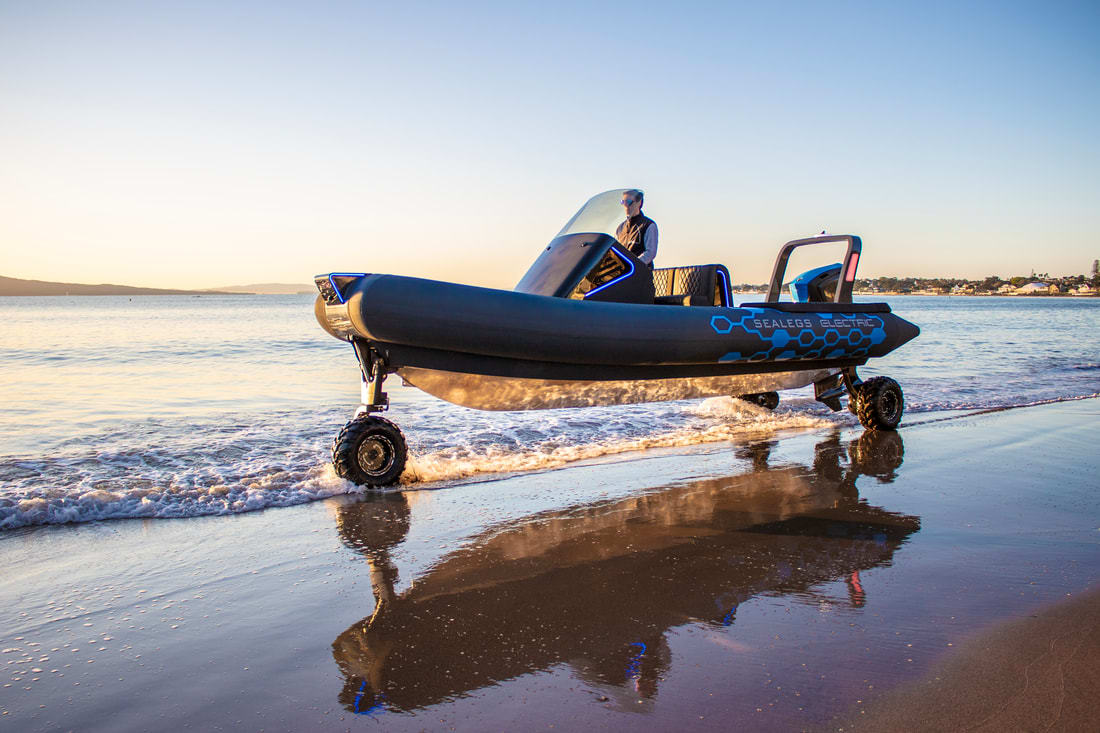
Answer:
[(627, 202)]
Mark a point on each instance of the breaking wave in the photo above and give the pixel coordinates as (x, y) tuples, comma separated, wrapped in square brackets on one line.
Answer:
[(233, 471), (738, 419)]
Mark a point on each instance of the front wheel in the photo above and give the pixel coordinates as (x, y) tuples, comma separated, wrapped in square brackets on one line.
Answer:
[(879, 403), (369, 451)]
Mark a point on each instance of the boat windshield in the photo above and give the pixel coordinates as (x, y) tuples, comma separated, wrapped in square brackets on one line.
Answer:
[(602, 213)]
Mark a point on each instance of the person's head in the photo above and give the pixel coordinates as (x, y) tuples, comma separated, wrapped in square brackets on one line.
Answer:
[(632, 201)]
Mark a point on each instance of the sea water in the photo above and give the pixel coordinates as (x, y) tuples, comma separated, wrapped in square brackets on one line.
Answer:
[(175, 406)]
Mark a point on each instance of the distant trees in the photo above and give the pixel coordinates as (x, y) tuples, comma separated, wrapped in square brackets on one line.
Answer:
[(888, 283), (988, 285)]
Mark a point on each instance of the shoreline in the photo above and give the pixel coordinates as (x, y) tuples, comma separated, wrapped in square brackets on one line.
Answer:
[(773, 583)]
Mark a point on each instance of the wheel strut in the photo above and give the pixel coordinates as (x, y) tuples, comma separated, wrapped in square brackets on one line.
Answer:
[(829, 390), (373, 368), (851, 382)]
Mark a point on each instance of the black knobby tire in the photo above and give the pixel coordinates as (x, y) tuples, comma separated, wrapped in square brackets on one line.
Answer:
[(879, 404), (369, 451), (767, 400)]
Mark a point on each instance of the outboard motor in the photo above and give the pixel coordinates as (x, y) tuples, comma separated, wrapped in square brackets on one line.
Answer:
[(817, 285)]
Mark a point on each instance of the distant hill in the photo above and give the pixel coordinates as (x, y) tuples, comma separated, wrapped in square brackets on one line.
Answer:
[(15, 286), (271, 289)]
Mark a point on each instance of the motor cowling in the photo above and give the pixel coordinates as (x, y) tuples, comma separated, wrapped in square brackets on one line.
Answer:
[(816, 286)]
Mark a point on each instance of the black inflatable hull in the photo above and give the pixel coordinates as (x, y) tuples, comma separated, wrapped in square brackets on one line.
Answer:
[(465, 329)]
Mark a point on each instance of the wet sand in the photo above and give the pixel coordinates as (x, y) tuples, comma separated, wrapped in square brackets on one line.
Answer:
[(819, 580), (1037, 673)]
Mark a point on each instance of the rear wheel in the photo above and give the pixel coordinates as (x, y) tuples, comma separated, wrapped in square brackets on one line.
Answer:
[(369, 451), (767, 400), (879, 403)]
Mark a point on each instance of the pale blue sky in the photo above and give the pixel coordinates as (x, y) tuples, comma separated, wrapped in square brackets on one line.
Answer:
[(198, 144)]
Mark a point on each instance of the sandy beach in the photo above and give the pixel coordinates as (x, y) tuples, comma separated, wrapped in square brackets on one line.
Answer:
[(1035, 673), (940, 578)]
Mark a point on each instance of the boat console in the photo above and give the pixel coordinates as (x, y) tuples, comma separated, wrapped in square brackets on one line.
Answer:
[(594, 266), (589, 266), (586, 262)]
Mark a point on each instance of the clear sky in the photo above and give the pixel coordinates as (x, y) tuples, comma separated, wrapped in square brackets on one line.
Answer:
[(196, 144)]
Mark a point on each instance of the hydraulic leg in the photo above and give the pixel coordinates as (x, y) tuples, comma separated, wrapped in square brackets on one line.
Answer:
[(373, 368), (852, 383), (829, 390)]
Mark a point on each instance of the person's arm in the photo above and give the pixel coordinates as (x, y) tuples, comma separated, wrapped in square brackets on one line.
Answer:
[(650, 245)]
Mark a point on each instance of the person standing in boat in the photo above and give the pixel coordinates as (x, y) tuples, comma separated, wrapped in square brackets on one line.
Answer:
[(638, 233)]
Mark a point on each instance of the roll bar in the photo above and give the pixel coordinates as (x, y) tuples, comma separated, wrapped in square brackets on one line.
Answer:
[(848, 271)]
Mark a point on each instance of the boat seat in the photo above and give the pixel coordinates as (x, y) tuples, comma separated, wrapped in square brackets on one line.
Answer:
[(694, 285), (682, 300)]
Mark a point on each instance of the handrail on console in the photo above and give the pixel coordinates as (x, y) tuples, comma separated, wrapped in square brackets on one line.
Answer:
[(848, 271)]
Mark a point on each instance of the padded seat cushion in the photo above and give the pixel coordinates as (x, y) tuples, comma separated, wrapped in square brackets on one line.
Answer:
[(681, 300), (695, 285)]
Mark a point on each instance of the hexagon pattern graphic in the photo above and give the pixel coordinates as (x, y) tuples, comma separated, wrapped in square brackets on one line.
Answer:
[(809, 338)]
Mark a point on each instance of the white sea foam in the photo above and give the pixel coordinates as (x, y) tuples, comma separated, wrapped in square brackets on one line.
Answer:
[(175, 500), (240, 471), (739, 419)]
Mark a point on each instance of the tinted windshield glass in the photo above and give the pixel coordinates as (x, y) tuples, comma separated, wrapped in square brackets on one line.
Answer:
[(603, 213)]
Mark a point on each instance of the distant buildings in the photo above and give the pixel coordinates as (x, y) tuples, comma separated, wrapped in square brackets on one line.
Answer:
[(1036, 288), (1035, 284)]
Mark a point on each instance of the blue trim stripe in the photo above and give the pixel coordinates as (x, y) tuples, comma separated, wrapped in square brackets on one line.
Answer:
[(727, 297), (618, 279), (336, 288)]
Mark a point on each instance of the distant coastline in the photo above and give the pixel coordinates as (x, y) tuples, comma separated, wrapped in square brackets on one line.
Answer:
[(762, 290), (1061, 287), (979, 294), (1033, 285), (16, 286)]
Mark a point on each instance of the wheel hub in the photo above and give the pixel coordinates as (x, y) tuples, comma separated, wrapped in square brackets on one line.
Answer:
[(889, 405), (375, 454)]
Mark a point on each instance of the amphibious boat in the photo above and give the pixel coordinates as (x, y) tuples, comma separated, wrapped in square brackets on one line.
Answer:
[(591, 324)]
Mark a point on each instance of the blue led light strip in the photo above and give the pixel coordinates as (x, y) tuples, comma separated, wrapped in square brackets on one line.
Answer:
[(727, 297), (336, 288), (618, 279)]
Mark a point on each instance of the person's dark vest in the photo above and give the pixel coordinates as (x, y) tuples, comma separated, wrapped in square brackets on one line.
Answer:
[(632, 233)]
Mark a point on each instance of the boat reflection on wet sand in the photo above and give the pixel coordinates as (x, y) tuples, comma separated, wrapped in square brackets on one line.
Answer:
[(597, 586)]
